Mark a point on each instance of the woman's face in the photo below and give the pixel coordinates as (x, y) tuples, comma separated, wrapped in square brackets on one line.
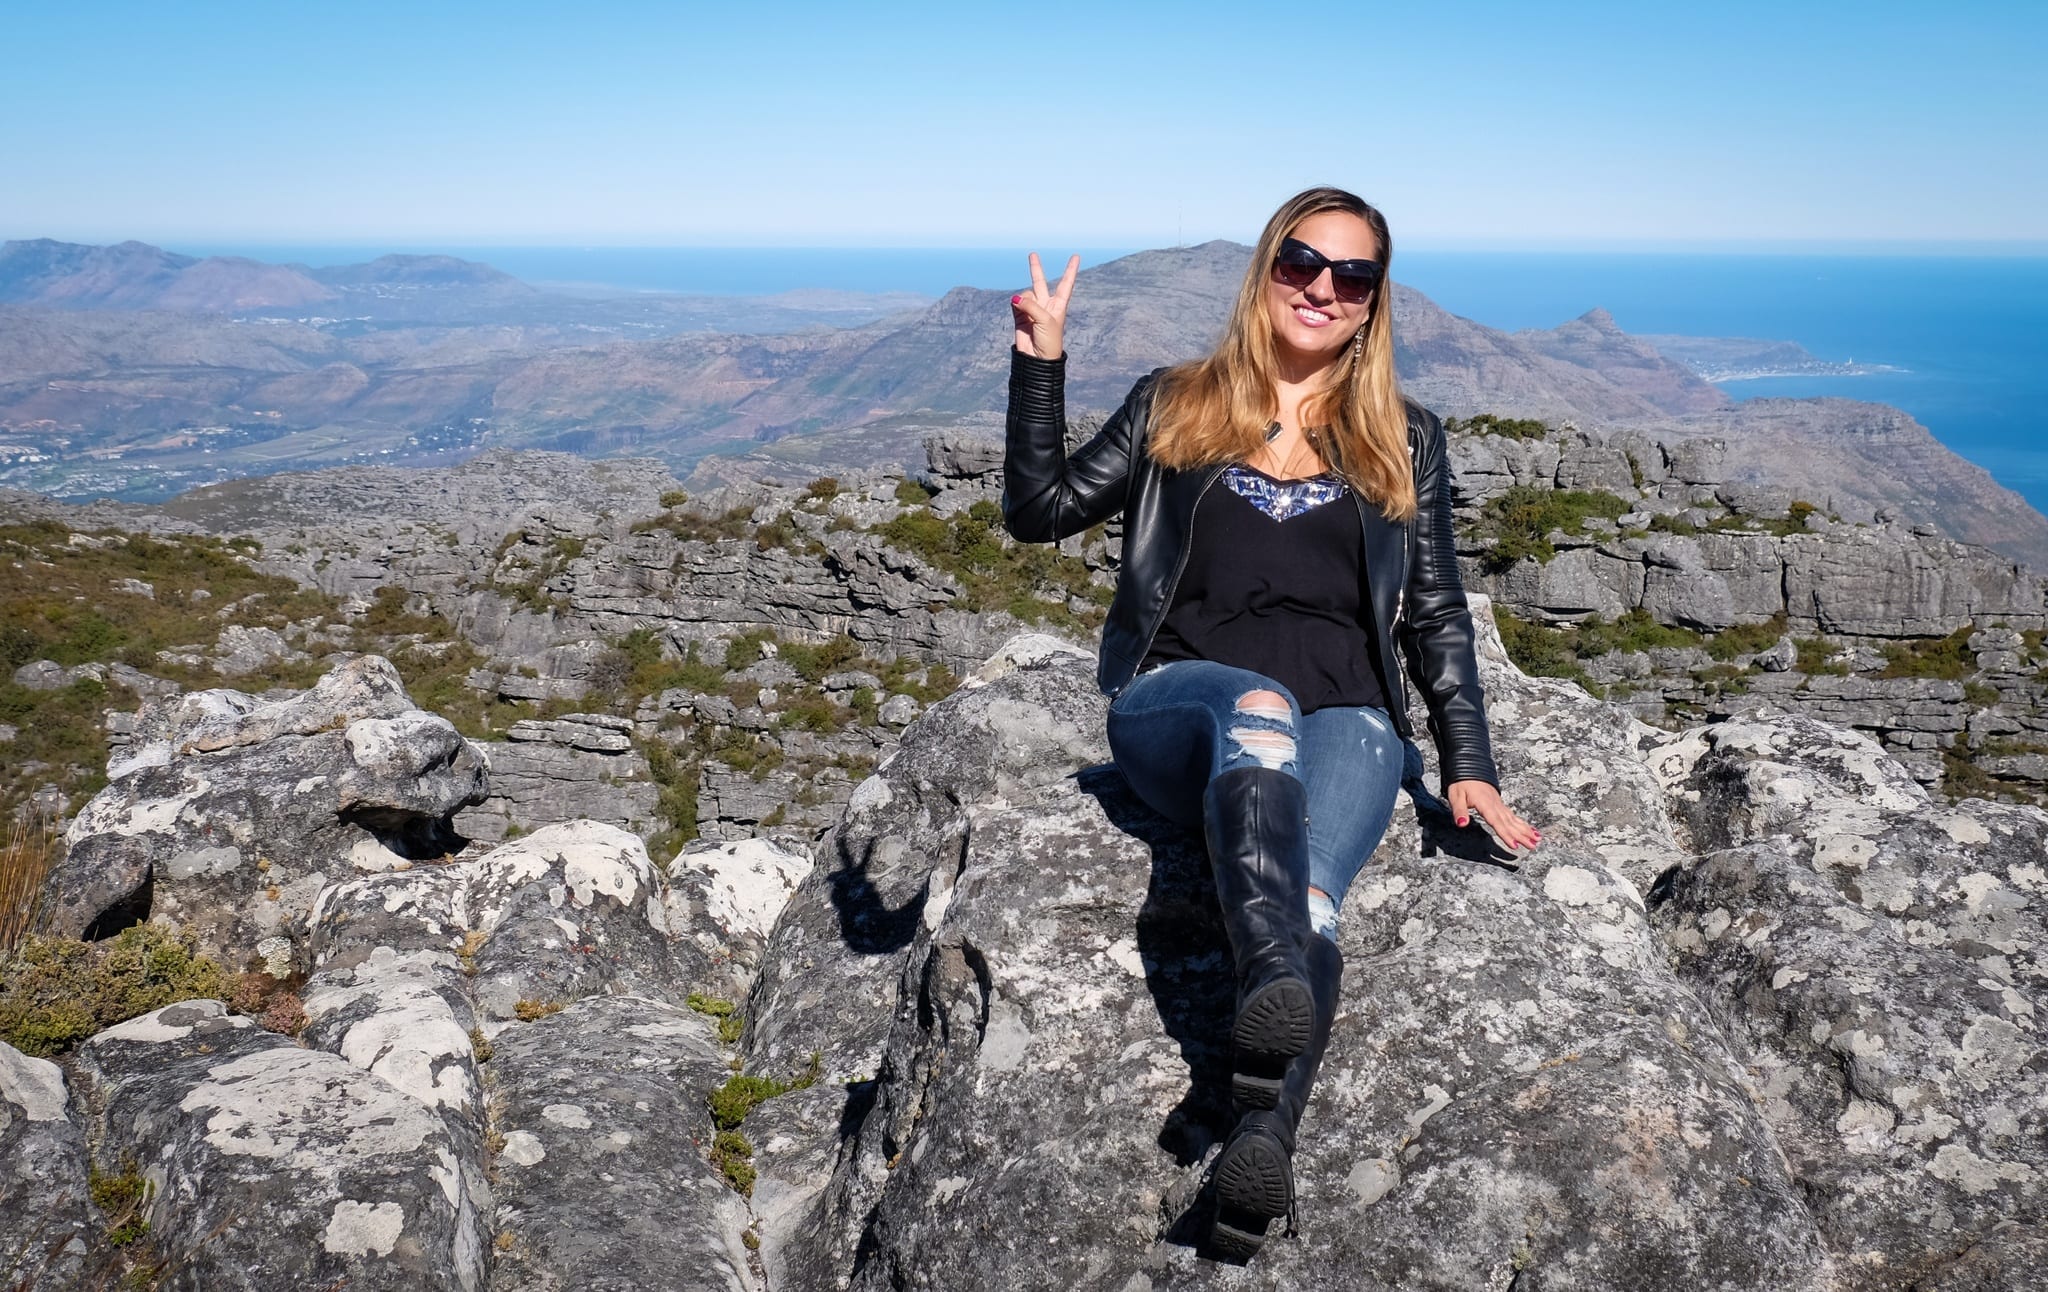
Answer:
[(1311, 326)]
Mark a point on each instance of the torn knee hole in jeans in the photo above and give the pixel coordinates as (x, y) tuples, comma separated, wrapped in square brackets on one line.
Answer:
[(1271, 743)]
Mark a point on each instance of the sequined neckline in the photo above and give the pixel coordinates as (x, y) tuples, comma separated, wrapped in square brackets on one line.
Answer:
[(1283, 500)]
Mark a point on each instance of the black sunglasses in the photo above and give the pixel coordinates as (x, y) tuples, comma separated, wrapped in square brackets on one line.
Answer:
[(1298, 264)]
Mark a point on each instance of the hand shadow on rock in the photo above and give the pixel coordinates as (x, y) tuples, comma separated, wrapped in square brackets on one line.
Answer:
[(868, 925), (1441, 833)]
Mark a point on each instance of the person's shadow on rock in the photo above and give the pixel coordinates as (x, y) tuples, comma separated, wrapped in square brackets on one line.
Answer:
[(1187, 961)]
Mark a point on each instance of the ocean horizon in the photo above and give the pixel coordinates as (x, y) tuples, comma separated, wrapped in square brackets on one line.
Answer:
[(1962, 339)]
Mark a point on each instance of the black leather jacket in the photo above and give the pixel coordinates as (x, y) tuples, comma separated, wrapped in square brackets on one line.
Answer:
[(1049, 494)]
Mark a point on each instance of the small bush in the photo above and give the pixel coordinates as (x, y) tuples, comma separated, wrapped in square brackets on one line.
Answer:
[(1510, 428), (914, 493), (528, 1011), (1519, 521), (730, 1023), (121, 1199), (674, 498), (1747, 639), (1980, 695), (1814, 658), (741, 1094), (824, 488), (57, 991), (1948, 658), (733, 1156)]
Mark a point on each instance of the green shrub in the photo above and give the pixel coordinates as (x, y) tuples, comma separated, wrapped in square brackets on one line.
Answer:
[(121, 1199), (914, 493), (1033, 582), (1747, 639), (1814, 658), (824, 489), (741, 1094), (58, 991), (1980, 695), (1635, 630), (1518, 523), (1511, 428), (731, 1024), (733, 1156), (674, 498), (1677, 525), (1540, 651), (1948, 658)]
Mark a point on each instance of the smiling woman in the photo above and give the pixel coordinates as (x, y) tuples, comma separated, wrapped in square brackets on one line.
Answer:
[(1256, 642)]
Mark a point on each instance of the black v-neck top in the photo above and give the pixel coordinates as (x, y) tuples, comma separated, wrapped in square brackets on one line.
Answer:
[(1274, 583)]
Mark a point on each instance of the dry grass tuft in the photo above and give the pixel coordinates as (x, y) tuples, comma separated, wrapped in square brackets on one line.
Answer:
[(24, 865)]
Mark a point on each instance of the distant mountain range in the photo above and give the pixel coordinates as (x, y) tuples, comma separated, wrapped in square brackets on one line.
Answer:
[(132, 371)]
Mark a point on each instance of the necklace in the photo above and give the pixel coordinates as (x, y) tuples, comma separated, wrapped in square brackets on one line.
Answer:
[(1290, 466)]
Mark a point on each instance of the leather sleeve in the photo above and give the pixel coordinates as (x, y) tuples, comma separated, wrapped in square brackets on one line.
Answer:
[(1048, 493), (1437, 637)]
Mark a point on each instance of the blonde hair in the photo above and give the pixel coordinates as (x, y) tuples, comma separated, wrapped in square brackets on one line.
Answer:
[(1217, 410)]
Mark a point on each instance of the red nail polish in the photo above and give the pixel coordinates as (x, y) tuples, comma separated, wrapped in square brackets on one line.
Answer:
[(1461, 820), (1016, 300)]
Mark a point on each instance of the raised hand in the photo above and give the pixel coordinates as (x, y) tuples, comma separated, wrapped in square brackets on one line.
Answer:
[(1040, 314)]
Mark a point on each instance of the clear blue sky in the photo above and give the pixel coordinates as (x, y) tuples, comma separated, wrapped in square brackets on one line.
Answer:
[(1142, 124)]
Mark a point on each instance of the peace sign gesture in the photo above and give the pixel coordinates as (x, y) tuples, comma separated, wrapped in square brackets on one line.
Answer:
[(1041, 314)]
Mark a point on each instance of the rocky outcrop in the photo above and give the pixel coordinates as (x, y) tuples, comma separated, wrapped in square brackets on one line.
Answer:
[(1569, 1075), (581, 766), (227, 814), (267, 1165), (1761, 1014)]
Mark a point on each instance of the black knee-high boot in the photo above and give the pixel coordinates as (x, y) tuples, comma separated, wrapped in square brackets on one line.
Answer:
[(1255, 1172), (1256, 820)]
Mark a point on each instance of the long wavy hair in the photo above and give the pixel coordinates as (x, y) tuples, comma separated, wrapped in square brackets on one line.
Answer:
[(1217, 410)]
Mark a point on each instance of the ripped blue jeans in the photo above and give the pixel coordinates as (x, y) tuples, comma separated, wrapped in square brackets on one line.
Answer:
[(1176, 727)]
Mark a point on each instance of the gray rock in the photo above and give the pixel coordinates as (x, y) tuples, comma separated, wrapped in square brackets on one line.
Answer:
[(273, 1166), (726, 899), (243, 650), (43, 1219), (897, 711), (580, 767), (1058, 1059), (602, 1177), (226, 814), (1782, 655), (1879, 961)]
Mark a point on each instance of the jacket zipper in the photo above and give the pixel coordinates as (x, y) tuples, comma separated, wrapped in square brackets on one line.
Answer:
[(1187, 540)]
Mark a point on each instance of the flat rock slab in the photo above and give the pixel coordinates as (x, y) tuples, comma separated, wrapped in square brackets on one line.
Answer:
[(273, 1166), (603, 1181)]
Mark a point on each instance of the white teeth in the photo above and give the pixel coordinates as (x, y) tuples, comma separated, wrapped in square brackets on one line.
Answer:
[(1312, 316)]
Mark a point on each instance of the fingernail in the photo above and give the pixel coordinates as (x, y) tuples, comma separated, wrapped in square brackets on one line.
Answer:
[(1461, 820), (1017, 300)]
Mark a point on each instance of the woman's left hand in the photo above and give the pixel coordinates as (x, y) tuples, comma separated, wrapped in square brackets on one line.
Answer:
[(1477, 798)]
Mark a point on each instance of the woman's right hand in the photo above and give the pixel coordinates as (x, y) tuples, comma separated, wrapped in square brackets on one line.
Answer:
[(1040, 315)]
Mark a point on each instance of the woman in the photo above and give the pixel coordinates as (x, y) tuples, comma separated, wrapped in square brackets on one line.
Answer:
[(1287, 521)]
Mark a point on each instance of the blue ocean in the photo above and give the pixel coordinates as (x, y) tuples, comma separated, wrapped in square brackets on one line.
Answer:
[(1967, 335)]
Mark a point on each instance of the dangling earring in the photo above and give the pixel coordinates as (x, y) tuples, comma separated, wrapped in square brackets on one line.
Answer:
[(1358, 344)]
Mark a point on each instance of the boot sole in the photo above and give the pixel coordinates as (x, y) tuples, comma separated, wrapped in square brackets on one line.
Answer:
[(1237, 1239), (1256, 1088), (1275, 1021), (1255, 1176)]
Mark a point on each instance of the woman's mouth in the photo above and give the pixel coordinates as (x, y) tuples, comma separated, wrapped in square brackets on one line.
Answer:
[(1311, 316)]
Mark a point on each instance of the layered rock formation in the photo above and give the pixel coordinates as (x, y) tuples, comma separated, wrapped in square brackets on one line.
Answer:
[(1760, 1014)]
